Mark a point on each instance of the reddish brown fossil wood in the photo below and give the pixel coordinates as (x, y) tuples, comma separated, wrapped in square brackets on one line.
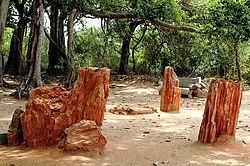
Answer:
[(171, 93), (221, 110), (50, 110), (15, 133), (84, 135)]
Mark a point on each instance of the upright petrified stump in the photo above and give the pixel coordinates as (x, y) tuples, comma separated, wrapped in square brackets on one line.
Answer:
[(15, 133), (50, 110), (221, 110), (171, 93)]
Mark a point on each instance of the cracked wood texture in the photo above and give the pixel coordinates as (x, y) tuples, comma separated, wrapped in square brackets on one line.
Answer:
[(221, 110), (50, 110), (171, 93)]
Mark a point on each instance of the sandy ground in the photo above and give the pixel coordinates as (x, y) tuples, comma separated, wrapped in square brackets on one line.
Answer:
[(139, 140)]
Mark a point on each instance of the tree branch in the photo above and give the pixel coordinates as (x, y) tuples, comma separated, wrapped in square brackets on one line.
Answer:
[(172, 27), (110, 15), (54, 43)]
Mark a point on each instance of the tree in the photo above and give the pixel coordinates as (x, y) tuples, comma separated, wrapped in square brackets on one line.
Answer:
[(230, 21), (57, 53), (3, 14), (15, 62), (70, 55), (123, 69), (35, 46)]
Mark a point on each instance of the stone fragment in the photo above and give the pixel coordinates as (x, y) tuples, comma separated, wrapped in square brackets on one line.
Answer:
[(15, 133), (133, 109), (85, 136)]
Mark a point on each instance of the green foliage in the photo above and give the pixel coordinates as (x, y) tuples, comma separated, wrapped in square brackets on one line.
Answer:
[(211, 54), (245, 61), (231, 19), (6, 43), (93, 48)]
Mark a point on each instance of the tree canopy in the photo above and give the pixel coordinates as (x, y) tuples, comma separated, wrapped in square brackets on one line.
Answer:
[(205, 38)]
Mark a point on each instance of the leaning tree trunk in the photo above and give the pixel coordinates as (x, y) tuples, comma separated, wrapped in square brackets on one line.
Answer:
[(35, 45), (3, 14), (123, 69), (171, 93), (221, 111)]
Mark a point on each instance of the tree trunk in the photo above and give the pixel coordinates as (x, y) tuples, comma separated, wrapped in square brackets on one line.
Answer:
[(171, 93), (57, 57), (53, 52), (61, 41), (221, 110), (123, 69), (237, 59), (15, 64), (70, 56), (35, 45), (3, 14)]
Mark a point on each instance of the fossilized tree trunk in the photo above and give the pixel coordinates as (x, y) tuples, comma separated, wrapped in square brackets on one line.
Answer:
[(50, 110), (171, 93), (221, 110)]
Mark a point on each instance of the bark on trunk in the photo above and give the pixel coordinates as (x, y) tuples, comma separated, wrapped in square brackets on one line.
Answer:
[(15, 65), (61, 40), (237, 59), (3, 14), (35, 45), (53, 53), (70, 55), (123, 69), (171, 93), (221, 111), (57, 57)]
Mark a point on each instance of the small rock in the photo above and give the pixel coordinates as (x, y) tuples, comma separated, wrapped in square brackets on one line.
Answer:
[(156, 163), (168, 140)]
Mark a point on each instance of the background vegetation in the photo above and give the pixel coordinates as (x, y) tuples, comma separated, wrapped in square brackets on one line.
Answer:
[(137, 37)]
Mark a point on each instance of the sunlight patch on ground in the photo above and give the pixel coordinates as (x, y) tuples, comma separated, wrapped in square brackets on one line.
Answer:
[(224, 162), (5, 119), (121, 148), (138, 91), (77, 158)]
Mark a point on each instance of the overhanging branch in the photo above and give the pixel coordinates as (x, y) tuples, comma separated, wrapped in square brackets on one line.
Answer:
[(111, 15), (172, 27), (54, 43)]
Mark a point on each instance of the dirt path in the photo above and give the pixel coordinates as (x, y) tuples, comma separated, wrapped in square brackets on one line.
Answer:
[(141, 140)]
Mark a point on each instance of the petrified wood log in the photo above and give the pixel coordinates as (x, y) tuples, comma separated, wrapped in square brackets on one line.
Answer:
[(221, 110), (50, 110), (15, 133), (84, 135), (133, 109), (171, 93)]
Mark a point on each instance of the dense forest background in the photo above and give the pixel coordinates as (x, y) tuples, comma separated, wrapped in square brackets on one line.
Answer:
[(206, 38)]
